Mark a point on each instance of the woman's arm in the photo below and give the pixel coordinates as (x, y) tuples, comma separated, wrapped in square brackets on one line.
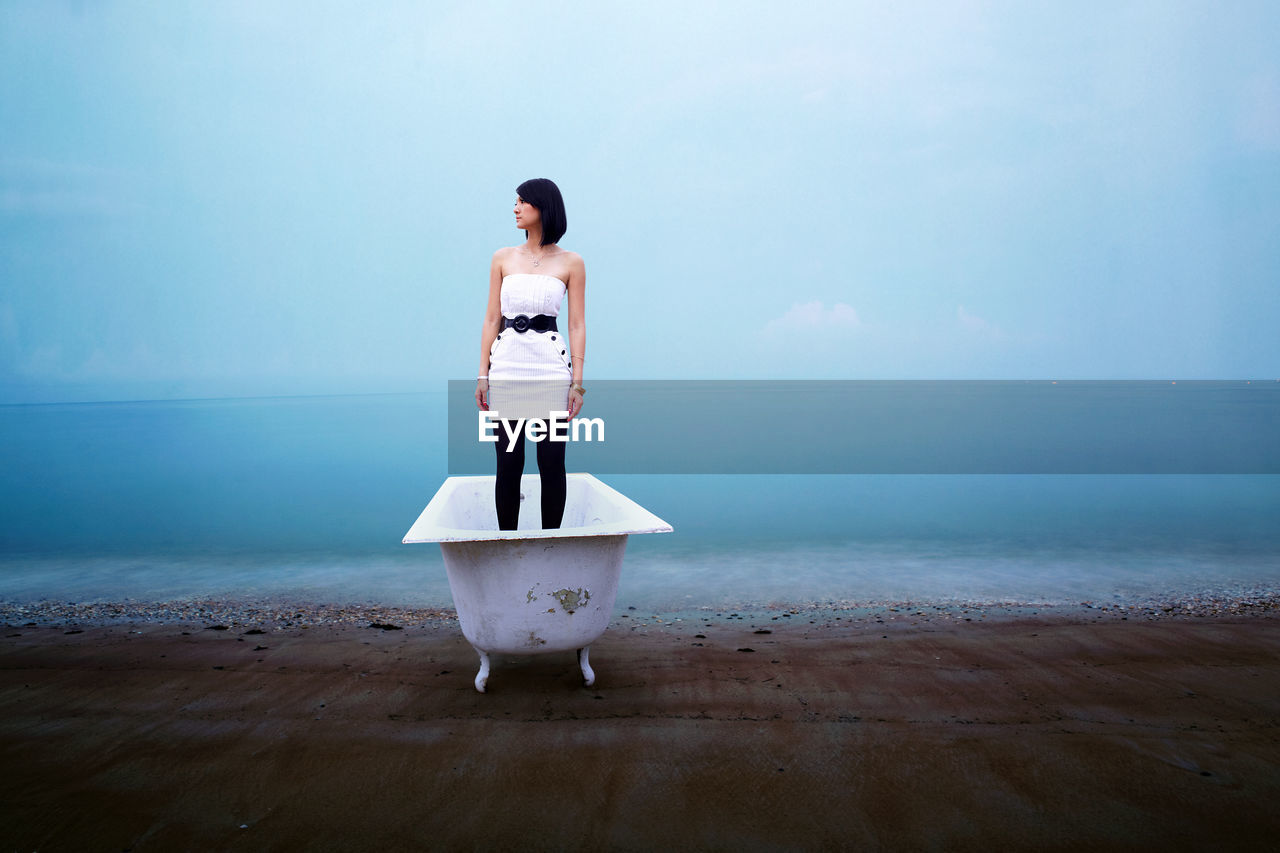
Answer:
[(577, 287), (489, 331)]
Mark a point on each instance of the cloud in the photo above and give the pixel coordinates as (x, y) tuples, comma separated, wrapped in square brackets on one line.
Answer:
[(8, 325), (1258, 123), (54, 203), (46, 188), (807, 317), (976, 325), (57, 361)]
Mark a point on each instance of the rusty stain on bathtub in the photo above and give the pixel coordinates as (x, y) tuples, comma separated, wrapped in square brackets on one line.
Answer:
[(534, 640), (571, 599), (529, 597)]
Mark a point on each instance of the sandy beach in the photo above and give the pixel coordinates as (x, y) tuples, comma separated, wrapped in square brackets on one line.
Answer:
[(903, 728)]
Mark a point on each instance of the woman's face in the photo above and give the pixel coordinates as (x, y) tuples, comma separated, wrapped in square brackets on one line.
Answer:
[(526, 215)]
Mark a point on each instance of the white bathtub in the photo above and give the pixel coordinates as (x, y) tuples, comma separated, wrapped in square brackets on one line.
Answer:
[(531, 591)]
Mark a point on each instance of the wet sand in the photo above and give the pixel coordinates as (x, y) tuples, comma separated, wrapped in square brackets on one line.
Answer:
[(904, 728)]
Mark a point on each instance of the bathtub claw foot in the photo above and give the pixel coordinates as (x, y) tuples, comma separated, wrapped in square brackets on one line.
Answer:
[(588, 674), (482, 677)]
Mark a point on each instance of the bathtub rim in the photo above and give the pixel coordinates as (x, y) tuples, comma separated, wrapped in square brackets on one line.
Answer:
[(427, 527)]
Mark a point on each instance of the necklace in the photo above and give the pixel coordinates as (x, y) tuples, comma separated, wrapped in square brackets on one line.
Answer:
[(537, 259)]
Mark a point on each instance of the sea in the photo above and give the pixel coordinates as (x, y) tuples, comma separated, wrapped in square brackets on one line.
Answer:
[(307, 499)]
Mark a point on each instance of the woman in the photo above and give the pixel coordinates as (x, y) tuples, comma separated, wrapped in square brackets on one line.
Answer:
[(526, 369)]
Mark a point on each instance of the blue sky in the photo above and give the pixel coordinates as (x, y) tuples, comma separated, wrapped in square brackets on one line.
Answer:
[(225, 199)]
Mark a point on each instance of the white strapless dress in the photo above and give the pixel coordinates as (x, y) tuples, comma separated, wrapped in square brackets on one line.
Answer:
[(530, 372)]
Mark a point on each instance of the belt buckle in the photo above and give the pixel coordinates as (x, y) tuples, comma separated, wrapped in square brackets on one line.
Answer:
[(520, 323)]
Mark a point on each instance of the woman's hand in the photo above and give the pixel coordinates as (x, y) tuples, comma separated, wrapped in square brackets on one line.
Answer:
[(575, 403), (482, 394)]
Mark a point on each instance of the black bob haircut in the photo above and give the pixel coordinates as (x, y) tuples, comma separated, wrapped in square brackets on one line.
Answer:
[(545, 195)]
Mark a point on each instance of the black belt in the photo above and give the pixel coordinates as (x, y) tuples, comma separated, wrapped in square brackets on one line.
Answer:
[(523, 322)]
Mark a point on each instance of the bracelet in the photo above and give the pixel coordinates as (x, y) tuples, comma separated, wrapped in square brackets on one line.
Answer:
[(582, 391), (478, 378)]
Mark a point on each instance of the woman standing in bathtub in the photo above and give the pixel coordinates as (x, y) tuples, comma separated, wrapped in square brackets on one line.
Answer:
[(527, 369)]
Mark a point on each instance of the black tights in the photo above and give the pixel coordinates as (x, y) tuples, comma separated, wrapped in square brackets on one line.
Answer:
[(506, 491)]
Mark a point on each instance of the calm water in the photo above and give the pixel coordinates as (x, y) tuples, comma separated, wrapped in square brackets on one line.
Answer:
[(310, 496)]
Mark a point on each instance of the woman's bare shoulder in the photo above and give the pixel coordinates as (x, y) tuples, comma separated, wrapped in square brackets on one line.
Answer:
[(502, 259)]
